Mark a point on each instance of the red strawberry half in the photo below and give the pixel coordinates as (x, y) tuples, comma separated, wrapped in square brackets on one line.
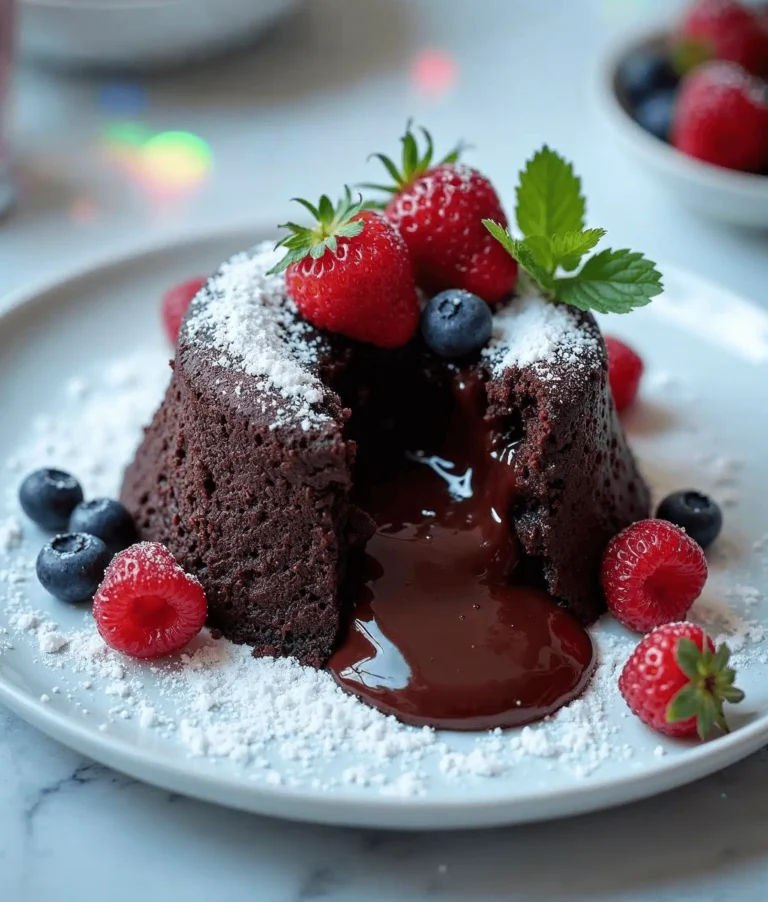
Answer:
[(676, 682), (351, 273), (147, 606), (439, 208)]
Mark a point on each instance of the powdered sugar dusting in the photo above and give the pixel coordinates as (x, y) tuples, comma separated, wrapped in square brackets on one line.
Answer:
[(245, 314), (532, 332)]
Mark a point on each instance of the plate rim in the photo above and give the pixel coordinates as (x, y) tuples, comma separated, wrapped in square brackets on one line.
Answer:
[(345, 806)]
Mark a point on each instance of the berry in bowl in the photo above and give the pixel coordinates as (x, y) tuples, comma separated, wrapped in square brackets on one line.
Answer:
[(691, 104)]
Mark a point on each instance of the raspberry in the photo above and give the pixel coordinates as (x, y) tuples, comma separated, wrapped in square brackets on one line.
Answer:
[(652, 573), (175, 303), (721, 117), (625, 369), (147, 606), (676, 682)]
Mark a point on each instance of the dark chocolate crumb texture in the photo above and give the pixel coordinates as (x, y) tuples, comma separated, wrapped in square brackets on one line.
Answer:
[(251, 470)]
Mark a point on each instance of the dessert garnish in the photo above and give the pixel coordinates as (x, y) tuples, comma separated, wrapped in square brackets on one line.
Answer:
[(694, 512), (351, 273), (72, 565), (147, 606), (438, 208), (49, 496), (175, 303), (106, 519), (456, 323), (652, 573), (676, 682), (625, 370), (550, 215)]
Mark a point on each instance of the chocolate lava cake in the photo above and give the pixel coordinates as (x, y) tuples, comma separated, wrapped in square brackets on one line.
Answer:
[(251, 469)]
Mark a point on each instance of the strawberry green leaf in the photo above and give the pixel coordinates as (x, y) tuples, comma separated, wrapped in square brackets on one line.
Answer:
[(611, 282), (331, 223), (711, 684), (688, 657), (721, 658), (549, 198), (689, 53), (710, 713), (732, 694), (413, 161), (685, 704)]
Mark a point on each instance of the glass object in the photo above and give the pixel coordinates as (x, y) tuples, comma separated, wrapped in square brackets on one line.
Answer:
[(6, 43)]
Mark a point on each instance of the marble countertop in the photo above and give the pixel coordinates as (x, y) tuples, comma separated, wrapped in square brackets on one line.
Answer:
[(298, 115)]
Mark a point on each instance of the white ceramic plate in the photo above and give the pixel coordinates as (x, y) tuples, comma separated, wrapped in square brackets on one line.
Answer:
[(706, 393)]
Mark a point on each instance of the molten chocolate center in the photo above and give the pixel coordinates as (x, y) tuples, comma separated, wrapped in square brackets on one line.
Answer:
[(441, 630)]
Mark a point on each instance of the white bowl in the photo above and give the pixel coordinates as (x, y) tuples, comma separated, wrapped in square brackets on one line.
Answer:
[(139, 33), (738, 198)]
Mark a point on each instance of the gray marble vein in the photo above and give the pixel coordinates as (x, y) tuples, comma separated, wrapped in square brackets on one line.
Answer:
[(71, 827)]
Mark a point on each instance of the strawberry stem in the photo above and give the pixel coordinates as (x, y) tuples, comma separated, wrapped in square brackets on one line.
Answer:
[(413, 163), (711, 683), (331, 223)]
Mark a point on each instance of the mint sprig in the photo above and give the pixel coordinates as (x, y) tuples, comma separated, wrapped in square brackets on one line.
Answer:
[(550, 214)]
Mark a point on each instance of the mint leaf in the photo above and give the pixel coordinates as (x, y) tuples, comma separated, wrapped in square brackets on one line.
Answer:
[(528, 257), (611, 282), (571, 246), (541, 248), (549, 199)]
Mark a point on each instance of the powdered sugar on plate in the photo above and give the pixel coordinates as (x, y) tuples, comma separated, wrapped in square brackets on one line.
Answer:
[(274, 721)]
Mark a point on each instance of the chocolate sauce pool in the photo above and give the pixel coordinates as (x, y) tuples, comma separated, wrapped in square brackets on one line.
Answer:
[(440, 634)]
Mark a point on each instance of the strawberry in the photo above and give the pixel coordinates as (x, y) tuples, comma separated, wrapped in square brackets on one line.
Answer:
[(439, 209), (723, 30), (676, 682), (721, 117), (146, 605), (652, 572), (175, 303), (351, 273), (625, 369)]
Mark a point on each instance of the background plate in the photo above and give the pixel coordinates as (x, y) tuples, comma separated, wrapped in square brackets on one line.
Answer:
[(701, 417)]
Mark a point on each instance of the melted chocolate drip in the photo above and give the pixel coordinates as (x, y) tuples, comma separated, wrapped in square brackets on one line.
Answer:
[(439, 633)]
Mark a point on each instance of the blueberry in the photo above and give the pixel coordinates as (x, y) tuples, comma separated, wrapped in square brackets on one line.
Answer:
[(456, 323), (645, 72), (106, 519), (655, 113), (48, 497), (697, 514), (71, 566)]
